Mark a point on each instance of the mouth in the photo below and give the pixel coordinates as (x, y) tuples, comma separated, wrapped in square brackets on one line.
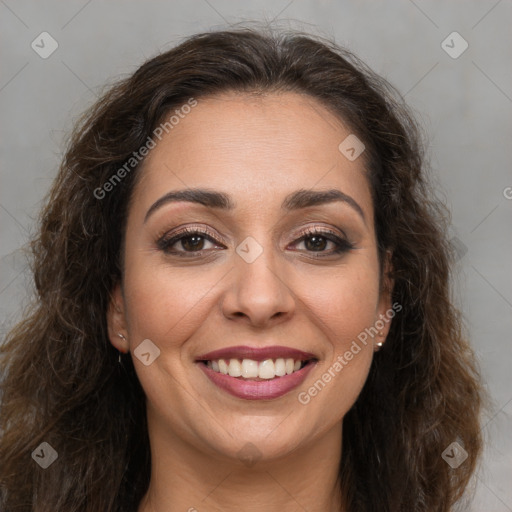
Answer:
[(257, 373), (249, 369)]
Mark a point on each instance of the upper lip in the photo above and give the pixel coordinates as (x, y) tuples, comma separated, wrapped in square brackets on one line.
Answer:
[(256, 353)]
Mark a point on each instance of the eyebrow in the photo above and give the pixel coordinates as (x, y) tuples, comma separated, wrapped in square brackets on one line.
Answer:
[(296, 200)]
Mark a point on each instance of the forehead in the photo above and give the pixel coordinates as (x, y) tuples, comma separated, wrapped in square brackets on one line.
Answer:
[(257, 148)]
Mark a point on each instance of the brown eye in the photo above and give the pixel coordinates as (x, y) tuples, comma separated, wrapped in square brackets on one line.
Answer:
[(315, 243), (187, 242), (192, 243), (316, 240)]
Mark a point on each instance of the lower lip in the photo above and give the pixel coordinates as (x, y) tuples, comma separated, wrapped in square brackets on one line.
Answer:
[(258, 390)]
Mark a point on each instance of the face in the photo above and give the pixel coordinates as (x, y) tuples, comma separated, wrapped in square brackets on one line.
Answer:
[(274, 277)]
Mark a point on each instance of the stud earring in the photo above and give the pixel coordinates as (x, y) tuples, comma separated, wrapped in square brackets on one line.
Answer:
[(379, 343)]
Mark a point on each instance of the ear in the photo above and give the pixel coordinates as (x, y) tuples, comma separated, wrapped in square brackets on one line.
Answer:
[(116, 320), (384, 307)]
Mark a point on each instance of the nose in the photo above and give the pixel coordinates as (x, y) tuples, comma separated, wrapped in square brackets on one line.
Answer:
[(259, 292)]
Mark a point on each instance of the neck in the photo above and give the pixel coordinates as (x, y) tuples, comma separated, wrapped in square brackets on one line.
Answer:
[(185, 479)]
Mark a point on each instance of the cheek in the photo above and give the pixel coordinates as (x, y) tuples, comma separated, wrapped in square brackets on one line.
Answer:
[(345, 302), (166, 304), (344, 308)]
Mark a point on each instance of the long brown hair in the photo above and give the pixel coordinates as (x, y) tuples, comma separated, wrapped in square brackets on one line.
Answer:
[(61, 381)]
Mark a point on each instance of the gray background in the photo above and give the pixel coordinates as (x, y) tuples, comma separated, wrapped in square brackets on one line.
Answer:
[(464, 103)]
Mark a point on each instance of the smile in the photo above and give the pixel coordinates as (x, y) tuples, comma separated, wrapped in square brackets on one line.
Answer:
[(257, 373)]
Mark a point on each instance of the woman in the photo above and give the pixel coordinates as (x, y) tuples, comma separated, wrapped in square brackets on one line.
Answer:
[(242, 299)]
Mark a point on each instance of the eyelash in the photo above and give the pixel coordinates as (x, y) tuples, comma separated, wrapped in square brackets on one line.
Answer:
[(164, 243)]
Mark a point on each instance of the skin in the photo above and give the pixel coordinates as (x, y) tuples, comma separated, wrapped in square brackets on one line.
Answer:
[(257, 150)]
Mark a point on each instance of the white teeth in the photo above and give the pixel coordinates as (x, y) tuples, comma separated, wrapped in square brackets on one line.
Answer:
[(250, 369), (266, 369), (234, 368), (280, 367), (223, 367)]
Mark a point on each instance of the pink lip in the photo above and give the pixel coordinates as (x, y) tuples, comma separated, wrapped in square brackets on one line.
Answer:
[(257, 390), (256, 354)]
